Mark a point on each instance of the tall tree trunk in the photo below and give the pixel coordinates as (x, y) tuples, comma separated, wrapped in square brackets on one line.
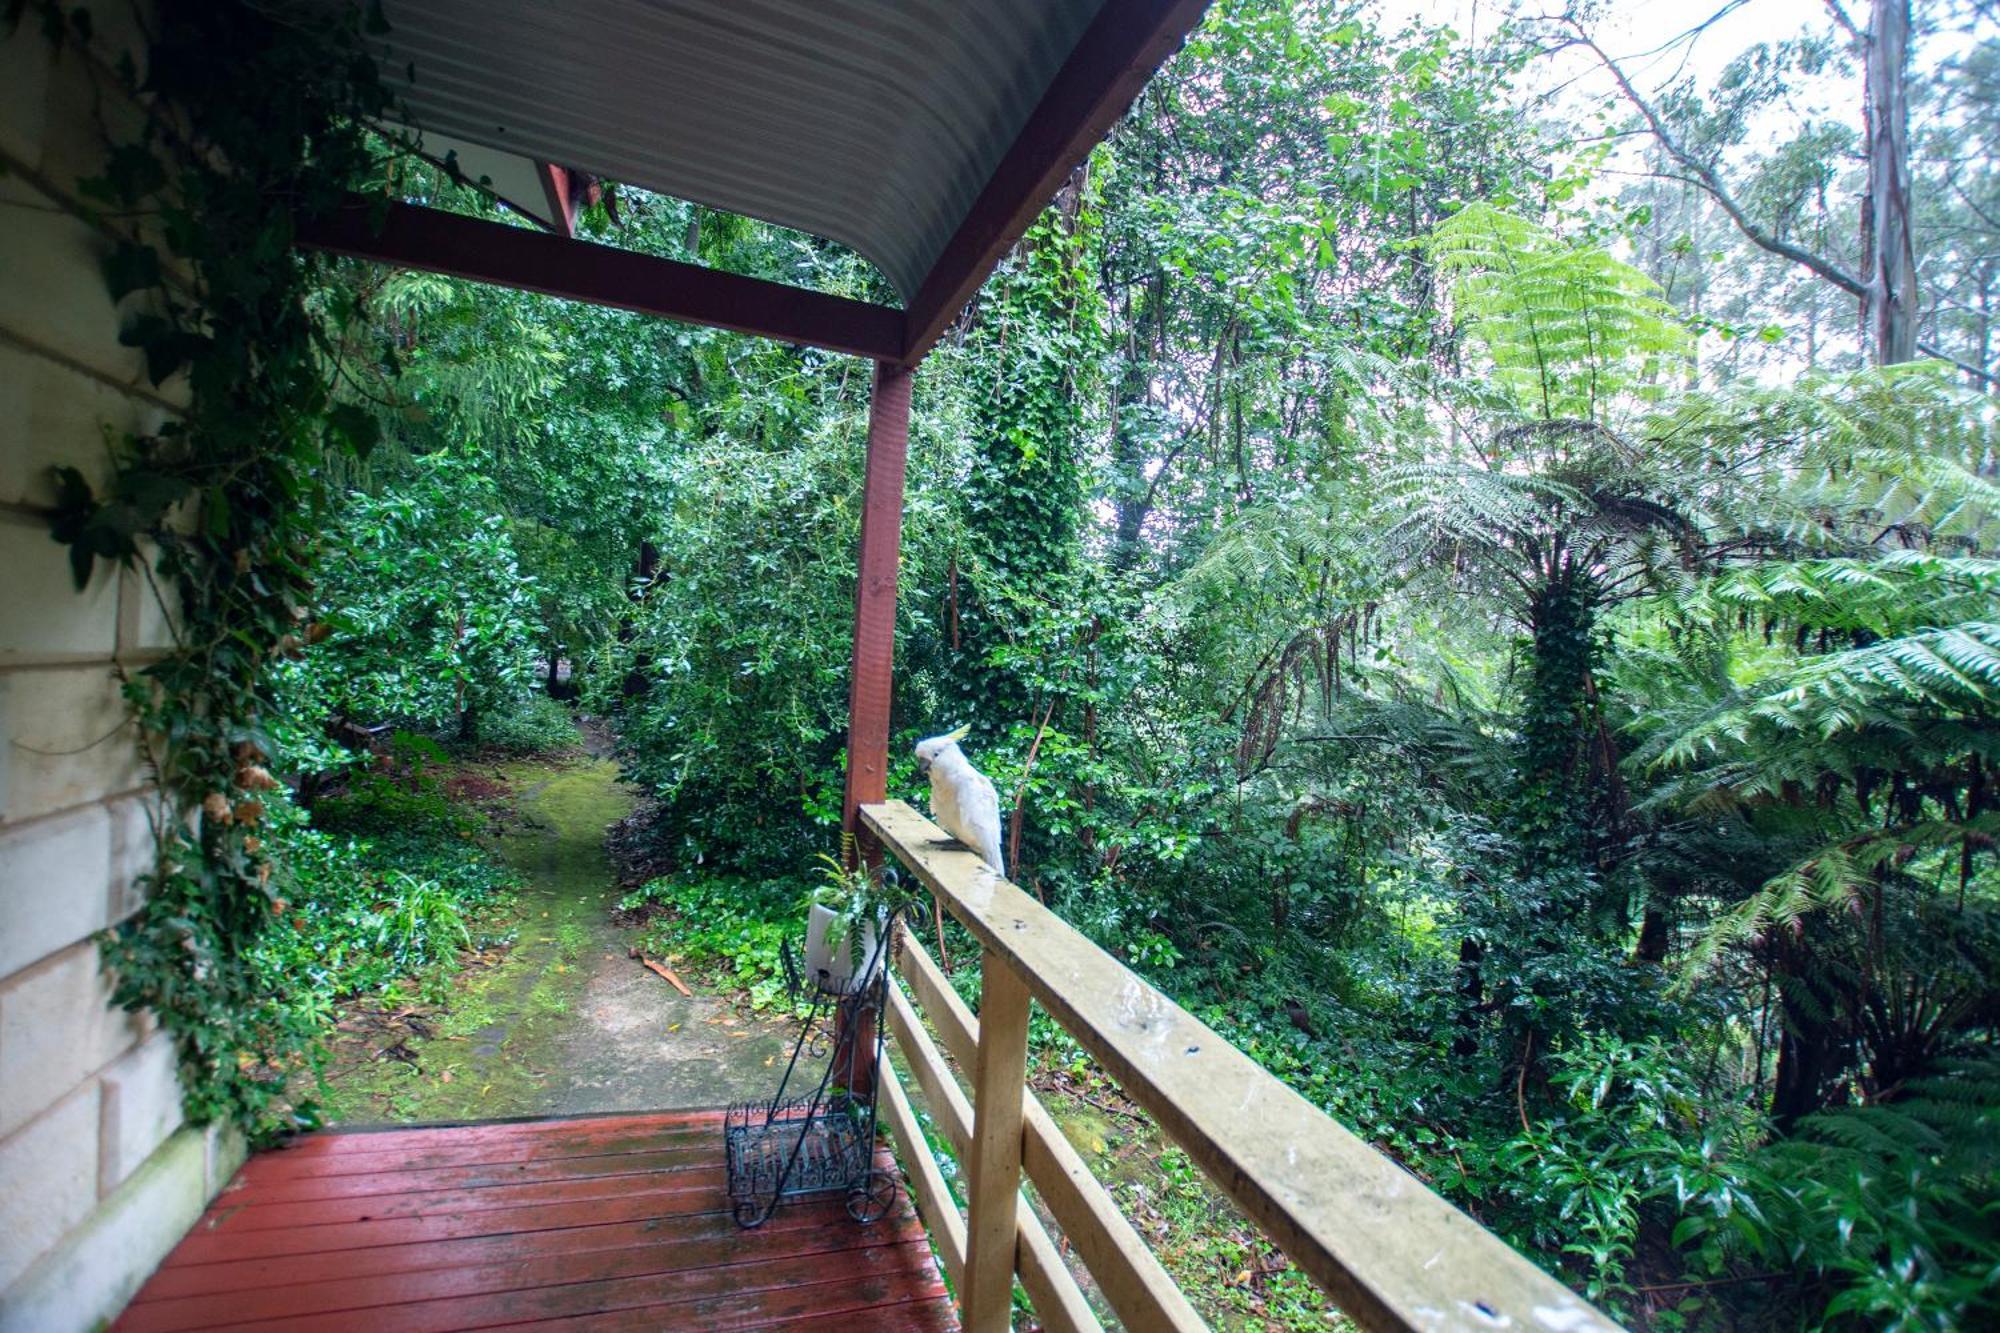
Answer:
[(1889, 261), (1471, 998), (1129, 444), (1811, 1057), (644, 568), (1654, 935)]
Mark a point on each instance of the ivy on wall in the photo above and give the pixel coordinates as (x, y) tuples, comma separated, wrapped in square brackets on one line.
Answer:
[(202, 199)]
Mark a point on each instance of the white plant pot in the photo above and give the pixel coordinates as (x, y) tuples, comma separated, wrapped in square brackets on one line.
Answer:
[(829, 959)]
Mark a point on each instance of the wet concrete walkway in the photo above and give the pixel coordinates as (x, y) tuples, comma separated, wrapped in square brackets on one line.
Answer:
[(566, 1021)]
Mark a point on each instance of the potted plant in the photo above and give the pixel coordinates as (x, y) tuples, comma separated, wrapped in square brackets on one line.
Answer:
[(850, 910)]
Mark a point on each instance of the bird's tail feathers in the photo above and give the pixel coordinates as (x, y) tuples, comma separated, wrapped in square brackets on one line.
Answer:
[(989, 852)]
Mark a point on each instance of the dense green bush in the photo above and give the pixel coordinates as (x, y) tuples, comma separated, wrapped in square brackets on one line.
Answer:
[(399, 789), (535, 724), (1895, 1206), (424, 617)]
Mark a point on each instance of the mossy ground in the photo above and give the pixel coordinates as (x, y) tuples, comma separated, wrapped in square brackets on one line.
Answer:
[(562, 1021)]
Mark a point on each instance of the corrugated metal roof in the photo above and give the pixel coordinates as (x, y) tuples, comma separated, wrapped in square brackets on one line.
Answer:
[(870, 122)]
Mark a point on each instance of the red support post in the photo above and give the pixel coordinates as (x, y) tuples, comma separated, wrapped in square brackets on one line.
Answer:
[(562, 200), (871, 676), (870, 681)]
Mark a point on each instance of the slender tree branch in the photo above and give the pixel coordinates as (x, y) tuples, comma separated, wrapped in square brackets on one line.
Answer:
[(1940, 354), (1846, 23), (1708, 179)]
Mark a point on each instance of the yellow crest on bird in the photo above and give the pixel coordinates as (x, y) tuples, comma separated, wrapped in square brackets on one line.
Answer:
[(958, 733)]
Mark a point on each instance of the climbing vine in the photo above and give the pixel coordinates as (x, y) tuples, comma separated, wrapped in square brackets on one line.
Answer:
[(200, 201), (1037, 348), (1554, 720)]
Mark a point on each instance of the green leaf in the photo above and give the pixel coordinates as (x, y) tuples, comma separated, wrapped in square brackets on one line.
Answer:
[(353, 428), (129, 268)]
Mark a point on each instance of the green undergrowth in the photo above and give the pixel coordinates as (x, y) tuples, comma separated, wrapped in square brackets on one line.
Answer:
[(731, 927), (366, 910), (534, 725), (376, 909)]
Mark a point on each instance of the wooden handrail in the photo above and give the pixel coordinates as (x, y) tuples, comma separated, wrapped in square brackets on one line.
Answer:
[(1390, 1251)]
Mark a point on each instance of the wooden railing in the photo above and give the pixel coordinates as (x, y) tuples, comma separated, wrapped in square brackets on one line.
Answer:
[(1389, 1251)]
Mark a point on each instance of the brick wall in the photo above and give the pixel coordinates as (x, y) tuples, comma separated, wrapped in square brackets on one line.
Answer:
[(98, 1177)]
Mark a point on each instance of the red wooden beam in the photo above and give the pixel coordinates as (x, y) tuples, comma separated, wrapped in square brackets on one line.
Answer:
[(562, 203), (412, 236), (1117, 53), (870, 679)]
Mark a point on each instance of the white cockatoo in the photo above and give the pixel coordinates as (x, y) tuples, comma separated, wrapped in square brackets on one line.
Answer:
[(962, 800)]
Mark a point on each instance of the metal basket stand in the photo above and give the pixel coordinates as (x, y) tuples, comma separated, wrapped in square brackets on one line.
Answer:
[(822, 1142)]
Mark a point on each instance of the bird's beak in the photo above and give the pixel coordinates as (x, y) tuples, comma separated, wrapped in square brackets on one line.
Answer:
[(923, 767)]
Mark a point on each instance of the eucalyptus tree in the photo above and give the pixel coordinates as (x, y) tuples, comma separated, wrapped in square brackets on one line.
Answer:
[(1886, 203)]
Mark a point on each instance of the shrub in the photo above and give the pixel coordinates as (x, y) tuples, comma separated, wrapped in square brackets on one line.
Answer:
[(400, 791), (535, 725)]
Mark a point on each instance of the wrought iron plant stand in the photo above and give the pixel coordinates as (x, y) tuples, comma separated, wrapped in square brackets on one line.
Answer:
[(821, 1142)]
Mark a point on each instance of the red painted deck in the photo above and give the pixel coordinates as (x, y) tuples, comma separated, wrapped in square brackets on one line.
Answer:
[(618, 1222)]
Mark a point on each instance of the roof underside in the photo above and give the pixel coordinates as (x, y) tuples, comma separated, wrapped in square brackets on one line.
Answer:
[(875, 123)]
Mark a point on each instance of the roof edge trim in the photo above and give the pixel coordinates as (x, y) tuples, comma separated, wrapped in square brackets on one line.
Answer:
[(1105, 71)]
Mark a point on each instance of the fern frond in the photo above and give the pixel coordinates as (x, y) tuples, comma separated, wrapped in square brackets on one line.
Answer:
[(1568, 329)]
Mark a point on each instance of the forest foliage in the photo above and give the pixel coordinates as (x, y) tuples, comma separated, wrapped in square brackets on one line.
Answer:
[(1476, 632), (1545, 717)]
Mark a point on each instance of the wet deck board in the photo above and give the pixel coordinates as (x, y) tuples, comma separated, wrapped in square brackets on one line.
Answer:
[(602, 1222)]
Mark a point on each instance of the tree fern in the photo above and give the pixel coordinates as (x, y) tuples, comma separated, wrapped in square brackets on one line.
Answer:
[(1568, 329), (1897, 684), (1894, 1201)]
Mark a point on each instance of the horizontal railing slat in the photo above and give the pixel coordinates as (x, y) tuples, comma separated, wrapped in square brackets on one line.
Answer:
[(949, 1105), (1058, 1300), (1125, 1269), (941, 1215), (1391, 1252), (1059, 1303)]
